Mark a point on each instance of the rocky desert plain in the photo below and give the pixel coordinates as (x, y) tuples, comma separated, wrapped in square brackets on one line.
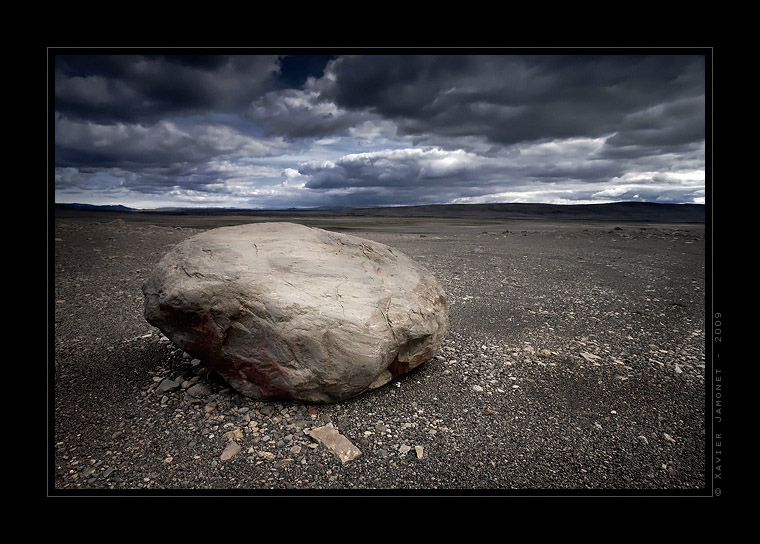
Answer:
[(574, 363)]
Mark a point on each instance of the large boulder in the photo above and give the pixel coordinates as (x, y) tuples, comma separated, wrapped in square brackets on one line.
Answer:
[(284, 311)]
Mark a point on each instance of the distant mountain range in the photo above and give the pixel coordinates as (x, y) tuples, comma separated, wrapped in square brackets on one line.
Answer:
[(617, 211)]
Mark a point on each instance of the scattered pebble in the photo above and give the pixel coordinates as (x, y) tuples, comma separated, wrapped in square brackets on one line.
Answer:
[(181, 424), (167, 385), (230, 451), (199, 390)]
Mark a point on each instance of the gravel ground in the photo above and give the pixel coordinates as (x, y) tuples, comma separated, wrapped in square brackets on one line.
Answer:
[(575, 361)]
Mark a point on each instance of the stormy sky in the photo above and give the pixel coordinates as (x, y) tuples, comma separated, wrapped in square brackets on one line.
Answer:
[(261, 130)]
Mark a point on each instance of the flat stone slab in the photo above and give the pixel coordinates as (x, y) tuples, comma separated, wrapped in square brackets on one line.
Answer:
[(329, 437), (230, 450)]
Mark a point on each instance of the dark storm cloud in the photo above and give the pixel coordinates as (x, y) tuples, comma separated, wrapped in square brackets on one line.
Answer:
[(374, 129), (296, 113), (131, 88), (510, 99), (165, 142), (668, 127)]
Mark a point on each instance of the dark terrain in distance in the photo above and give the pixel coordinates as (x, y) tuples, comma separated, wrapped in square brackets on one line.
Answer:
[(575, 361), (621, 211)]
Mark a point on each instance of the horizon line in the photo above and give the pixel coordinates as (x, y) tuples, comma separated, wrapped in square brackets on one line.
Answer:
[(307, 208)]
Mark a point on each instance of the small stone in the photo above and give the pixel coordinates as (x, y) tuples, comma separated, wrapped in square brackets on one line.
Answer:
[(338, 444), (669, 438), (477, 388), (643, 439), (269, 456), (230, 451), (404, 449), (418, 450), (199, 390), (167, 385), (678, 369), (235, 434)]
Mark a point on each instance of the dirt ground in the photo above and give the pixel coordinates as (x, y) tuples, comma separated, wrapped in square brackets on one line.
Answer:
[(575, 363)]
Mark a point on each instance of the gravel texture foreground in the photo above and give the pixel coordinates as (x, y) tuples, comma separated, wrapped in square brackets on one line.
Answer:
[(575, 361)]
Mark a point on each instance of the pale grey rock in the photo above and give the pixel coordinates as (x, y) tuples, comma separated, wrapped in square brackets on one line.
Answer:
[(284, 311), (167, 385), (199, 390)]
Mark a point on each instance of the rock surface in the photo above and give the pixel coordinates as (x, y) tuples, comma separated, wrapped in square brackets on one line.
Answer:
[(284, 311)]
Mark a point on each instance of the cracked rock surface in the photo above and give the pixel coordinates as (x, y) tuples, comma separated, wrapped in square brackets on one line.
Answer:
[(289, 312)]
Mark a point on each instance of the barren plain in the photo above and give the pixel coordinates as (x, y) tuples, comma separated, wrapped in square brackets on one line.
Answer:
[(574, 364)]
